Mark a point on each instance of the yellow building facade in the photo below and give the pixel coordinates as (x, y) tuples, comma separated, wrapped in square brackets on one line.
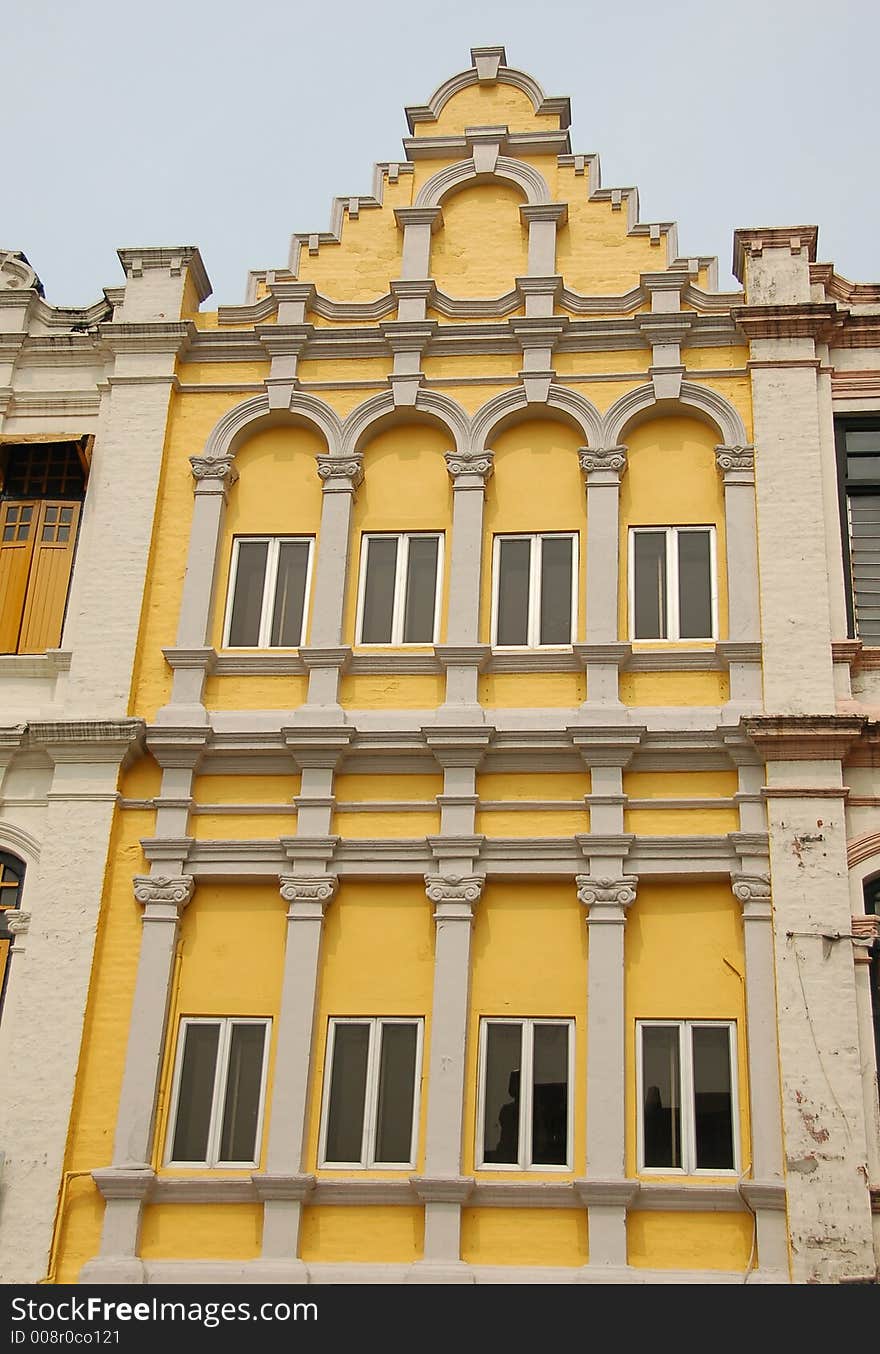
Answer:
[(437, 940)]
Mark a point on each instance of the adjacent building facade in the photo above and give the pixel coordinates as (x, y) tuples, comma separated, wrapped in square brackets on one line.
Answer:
[(480, 625)]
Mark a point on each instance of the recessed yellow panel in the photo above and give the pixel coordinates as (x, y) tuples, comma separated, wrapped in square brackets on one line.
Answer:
[(201, 1232), (245, 789), (482, 245), (721, 1241), (674, 688), (365, 692), (367, 1234), (257, 692), (241, 826), (672, 822), (532, 690), (534, 823), (363, 788), (534, 785), (679, 784), (400, 823), (524, 1236)]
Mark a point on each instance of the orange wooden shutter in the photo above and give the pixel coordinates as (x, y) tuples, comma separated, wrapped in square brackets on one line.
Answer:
[(18, 529), (53, 549)]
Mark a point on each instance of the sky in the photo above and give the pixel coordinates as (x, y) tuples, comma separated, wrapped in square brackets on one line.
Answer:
[(231, 125)]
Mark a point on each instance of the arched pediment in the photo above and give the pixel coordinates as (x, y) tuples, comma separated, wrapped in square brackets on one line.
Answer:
[(463, 172), (694, 398), (497, 412), (382, 409), (251, 415)]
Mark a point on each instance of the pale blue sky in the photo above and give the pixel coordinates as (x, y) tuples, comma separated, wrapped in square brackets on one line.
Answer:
[(231, 125)]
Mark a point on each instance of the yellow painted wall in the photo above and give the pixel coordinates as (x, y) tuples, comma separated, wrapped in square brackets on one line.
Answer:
[(683, 946), (719, 1241), (245, 789), (537, 485), (524, 1236), (378, 1235), (257, 692), (406, 488), (488, 106), (534, 785), (674, 688), (509, 690), (594, 253), (377, 960), (361, 266), (361, 788), (366, 692), (202, 1232), (528, 959), (241, 826), (483, 243), (393, 823), (535, 823), (679, 784)]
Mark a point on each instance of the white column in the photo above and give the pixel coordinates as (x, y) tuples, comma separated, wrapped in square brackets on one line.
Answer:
[(603, 468), (462, 655), (285, 1185), (126, 1183), (607, 901), (417, 224), (768, 1204)]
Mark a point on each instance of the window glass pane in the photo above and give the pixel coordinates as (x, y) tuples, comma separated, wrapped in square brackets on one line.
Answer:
[(196, 1092), (502, 1073), (863, 439), (661, 1093), (713, 1099), (348, 1083), (290, 594), (864, 531), (556, 590), (421, 590), (694, 585), (550, 1096), (513, 592), (247, 599), (242, 1107), (650, 585), (379, 591), (397, 1074), (863, 467)]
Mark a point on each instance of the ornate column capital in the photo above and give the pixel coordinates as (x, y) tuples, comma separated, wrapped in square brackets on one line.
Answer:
[(17, 923), (735, 463), (606, 899), (594, 459), (753, 892), (340, 474), (309, 896), (471, 470), (164, 896), (213, 474), (454, 895)]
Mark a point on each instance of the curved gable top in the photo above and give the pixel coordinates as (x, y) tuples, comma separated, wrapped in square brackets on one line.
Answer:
[(489, 67), (459, 175)]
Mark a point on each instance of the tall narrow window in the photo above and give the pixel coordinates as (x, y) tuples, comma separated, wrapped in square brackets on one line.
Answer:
[(371, 1092), (858, 459), (399, 596), (687, 1096), (268, 592), (673, 589), (11, 881), (41, 491), (534, 595), (524, 1118), (219, 1087)]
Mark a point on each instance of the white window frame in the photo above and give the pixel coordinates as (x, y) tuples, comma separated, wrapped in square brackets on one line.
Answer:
[(688, 1103), (221, 1073), (672, 609), (270, 579), (536, 554), (371, 1093), (398, 613), (527, 1026)]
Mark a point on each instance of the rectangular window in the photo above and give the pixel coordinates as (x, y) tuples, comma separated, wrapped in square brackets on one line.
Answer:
[(269, 581), (858, 459), (535, 594), (219, 1086), (672, 583), (687, 1096), (371, 1092), (524, 1119), (399, 597)]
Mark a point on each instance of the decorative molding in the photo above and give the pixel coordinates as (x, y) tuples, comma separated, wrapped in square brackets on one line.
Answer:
[(340, 474), (454, 889), (220, 468), (17, 922), (592, 459), (803, 737), (489, 65), (153, 890), (735, 458), (442, 1189), (320, 889), (593, 891), (479, 466), (751, 888)]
